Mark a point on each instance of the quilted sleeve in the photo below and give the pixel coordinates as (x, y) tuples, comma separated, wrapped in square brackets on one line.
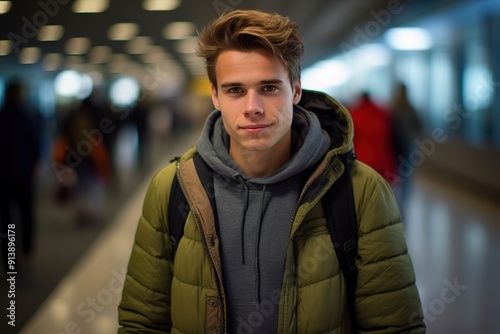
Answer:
[(145, 304), (387, 299)]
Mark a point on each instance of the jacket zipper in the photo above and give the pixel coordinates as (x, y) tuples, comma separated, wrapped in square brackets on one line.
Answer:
[(328, 163), (196, 215), (306, 187)]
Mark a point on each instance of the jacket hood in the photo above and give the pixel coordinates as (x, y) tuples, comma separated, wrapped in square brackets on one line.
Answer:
[(333, 117)]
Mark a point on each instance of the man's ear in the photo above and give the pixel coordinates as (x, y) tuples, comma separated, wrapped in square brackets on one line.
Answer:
[(215, 98), (297, 91)]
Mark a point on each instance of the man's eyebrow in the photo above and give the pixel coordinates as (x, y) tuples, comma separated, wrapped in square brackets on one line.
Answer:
[(271, 81), (262, 82), (230, 84)]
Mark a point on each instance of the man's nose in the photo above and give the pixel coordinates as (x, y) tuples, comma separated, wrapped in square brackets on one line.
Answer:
[(253, 104)]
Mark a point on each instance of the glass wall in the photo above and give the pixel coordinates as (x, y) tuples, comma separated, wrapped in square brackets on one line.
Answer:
[(449, 68)]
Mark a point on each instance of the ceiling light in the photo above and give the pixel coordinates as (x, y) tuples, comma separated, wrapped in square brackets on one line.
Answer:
[(29, 55), (195, 64), (67, 83), (326, 74), (179, 30), (371, 55), (100, 54), (119, 58), (409, 39), (187, 45), (50, 33), (197, 70), (119, 63), (139, 44), (136, 72), (96, 76), (193, 60), (5, 47), (4, 6), (77, 45), (124, 91), (155, 49), (151, 58), (165, 79), (117, 67), (52, 61), (76, 63), (73, 84), (85, 88), (123, 31), (160, 4), (155, 54), (90, 6)]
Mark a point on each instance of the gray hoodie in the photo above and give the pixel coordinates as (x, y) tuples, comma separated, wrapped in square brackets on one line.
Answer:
[(254, 217)]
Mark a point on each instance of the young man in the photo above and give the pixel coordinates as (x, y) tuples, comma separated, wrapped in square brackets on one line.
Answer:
[(260, 260)]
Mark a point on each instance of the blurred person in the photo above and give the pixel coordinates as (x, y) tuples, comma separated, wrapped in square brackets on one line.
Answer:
[(272, 150), (82, 157), (138, 117), (103, 115), (20, 150), (406, 128), (373, 140)]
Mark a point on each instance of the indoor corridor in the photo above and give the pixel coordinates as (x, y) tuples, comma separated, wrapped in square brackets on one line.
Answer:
[(453, 236)]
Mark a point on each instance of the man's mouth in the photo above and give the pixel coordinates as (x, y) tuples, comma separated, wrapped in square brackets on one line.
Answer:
[(255, 127)]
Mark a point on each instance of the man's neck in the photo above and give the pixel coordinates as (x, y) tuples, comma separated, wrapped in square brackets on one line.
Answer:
[(257, 164)]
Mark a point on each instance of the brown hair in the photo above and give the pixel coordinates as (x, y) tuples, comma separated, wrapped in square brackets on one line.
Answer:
[(245, 30)]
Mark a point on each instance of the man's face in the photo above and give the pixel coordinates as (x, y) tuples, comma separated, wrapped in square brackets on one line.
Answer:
[(256, 100)]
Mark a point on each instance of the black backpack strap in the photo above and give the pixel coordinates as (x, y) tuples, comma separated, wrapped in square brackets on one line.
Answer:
[(340, 212), (178, 207)]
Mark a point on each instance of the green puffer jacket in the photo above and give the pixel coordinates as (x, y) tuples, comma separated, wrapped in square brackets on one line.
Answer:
[(187, 295)]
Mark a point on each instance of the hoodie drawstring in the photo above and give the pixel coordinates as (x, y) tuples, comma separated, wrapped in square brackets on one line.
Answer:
[(246, 194), (257, 246), (242, 227)]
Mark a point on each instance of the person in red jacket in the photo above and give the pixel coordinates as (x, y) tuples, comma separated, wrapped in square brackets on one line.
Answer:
[(373, 136)]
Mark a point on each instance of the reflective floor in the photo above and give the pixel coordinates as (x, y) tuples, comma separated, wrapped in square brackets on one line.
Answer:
[(454, 239), (453, 236)]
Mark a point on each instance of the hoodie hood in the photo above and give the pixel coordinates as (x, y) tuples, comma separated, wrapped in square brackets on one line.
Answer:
[(309, 144), (320, 124)]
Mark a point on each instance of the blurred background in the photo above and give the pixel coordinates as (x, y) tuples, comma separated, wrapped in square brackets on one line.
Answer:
[(97, 95)]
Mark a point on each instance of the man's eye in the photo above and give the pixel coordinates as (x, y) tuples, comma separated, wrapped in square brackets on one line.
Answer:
[(234, 90), (269, 88)]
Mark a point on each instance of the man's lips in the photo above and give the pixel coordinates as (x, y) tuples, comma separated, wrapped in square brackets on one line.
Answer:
[(254, 126)]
